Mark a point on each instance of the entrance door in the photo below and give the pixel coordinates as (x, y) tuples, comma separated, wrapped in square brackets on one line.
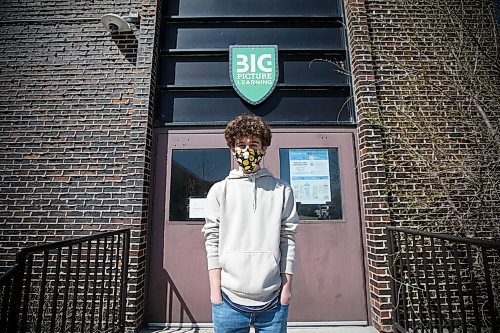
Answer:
[(329, 283)]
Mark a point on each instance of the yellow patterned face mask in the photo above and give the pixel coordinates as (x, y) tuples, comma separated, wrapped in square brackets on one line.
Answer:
[(248, 158)]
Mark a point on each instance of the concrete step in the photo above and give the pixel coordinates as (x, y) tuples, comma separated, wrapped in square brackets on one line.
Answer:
[(322, 329)]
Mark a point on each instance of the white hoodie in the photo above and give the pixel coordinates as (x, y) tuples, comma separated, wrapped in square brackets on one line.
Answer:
[(250, 229)]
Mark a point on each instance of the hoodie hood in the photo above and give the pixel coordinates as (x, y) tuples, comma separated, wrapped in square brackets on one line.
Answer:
[(239, 174)]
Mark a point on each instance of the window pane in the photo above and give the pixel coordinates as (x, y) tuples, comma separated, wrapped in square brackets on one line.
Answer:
[(281, 106), (314, 175), (327, 36), (194, 171), (252, 8), (190, 70)]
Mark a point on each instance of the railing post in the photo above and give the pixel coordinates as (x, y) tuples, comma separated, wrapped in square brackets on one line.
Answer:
[(392, 273), (16, 294), (124, 279), (489, 290)]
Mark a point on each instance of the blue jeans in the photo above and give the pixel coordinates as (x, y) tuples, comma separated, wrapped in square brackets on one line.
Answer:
[(229, 320)]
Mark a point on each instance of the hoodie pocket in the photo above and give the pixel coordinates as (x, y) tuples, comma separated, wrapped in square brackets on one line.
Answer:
[(251, 273)]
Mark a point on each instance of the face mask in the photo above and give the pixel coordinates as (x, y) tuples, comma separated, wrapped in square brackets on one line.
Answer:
[(248, 158)]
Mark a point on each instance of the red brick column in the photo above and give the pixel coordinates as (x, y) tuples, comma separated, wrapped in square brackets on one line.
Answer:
[(371, 164), (139, 160)]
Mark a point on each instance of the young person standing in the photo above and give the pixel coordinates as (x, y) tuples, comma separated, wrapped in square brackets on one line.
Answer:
[(250, 229)]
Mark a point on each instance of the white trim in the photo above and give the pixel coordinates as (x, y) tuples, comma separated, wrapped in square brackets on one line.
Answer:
[(327, 323), (180, 325), (292, 324)]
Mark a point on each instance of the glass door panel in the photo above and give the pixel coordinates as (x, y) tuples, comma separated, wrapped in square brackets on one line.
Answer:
[(193, 172), (314, 175)]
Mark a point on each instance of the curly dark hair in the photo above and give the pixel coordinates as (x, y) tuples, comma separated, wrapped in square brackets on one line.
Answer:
[(247, 125)]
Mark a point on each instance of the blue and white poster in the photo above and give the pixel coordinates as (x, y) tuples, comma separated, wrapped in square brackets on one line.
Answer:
[(310, 175)]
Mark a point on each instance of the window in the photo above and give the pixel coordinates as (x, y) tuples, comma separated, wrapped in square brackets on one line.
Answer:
[(314, 175), (193, 172), (194, 83)]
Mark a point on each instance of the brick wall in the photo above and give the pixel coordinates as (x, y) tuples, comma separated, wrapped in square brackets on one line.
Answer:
[(75, 127), (438, 94), (426, 88)]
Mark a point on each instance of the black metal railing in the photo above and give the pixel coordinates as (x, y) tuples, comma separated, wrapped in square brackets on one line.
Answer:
[(443, 283), (76, 285)]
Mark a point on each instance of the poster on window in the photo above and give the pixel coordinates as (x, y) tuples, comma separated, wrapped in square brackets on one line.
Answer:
[(310, 175), (197, 208)]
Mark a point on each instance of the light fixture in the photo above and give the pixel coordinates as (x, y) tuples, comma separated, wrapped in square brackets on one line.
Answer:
[(115, 23)]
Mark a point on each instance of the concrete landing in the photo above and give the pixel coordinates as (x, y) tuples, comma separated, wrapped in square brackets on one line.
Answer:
[(324, 329)]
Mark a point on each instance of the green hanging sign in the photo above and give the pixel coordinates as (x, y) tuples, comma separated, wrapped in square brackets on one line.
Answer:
[(253, 70)]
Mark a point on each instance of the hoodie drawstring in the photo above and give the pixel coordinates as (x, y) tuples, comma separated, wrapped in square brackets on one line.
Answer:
[(254, 201)]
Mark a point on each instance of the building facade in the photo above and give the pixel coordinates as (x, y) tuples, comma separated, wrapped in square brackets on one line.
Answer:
[(97, 129)]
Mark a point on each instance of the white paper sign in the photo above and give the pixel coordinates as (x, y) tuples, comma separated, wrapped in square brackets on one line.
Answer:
[(197, 208), (310, 175)]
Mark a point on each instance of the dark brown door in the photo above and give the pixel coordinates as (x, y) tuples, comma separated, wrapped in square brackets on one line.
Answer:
[(329, 285)]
